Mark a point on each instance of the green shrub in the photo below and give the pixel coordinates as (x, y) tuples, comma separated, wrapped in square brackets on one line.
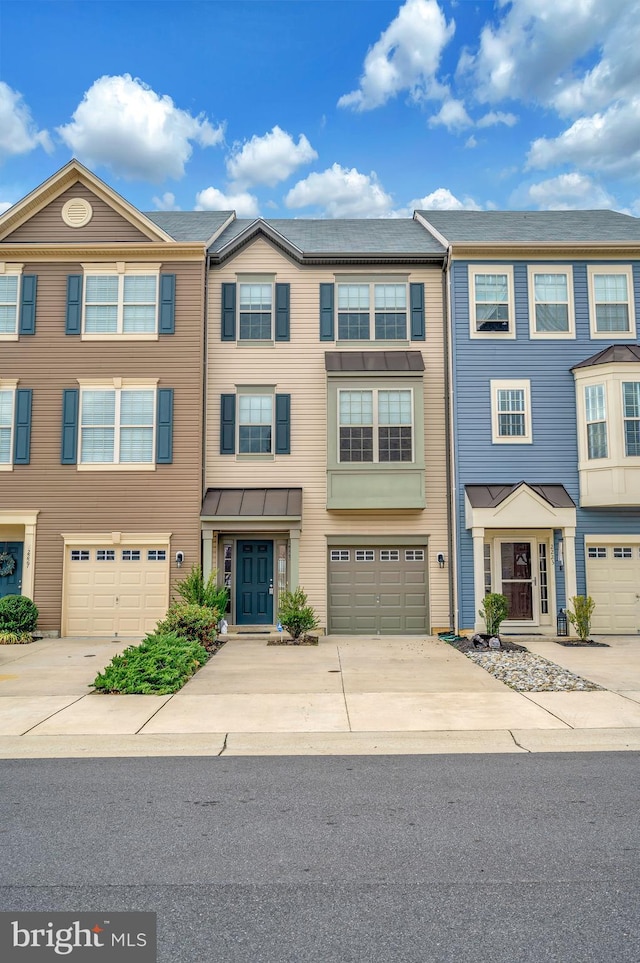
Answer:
[(18, 614), (494, 611), (295, 614), (14, 638), (161, 664), (580, 618), (197, 623), (196, 591)]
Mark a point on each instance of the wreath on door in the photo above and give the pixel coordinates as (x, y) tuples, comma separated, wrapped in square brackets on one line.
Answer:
[(7, 564)]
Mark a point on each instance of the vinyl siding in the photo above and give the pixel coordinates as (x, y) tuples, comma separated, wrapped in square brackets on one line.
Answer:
[(167, 499), (297, 367)]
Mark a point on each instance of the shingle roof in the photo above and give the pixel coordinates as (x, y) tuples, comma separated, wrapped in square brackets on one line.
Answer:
[(381, 236), (189, 225), (615, 354), (533, 226)]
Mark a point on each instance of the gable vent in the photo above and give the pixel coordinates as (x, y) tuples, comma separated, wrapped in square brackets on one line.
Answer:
[(77, 212)]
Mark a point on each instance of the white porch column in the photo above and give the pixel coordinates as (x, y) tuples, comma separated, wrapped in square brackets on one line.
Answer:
[(570, 577), (478, 575), (29, 562), (207, 553)]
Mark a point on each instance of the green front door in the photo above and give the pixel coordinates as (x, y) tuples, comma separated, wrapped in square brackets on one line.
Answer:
[(254, 583), (11, 554)]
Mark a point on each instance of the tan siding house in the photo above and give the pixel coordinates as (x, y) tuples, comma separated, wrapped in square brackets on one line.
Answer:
[(101, 401), (325, 423)]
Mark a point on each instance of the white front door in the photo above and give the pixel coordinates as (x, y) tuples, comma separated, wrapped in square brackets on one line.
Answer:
[(516, 577)]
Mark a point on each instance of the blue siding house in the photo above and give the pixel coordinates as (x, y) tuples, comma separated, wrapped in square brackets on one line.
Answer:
[(543, 314)]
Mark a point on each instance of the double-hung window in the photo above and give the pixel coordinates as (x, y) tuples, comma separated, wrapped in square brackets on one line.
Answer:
[(372, 311), (7, 396), (491, 301), (631, 415), (551, 311), (256, 311), (255, 424), (596, 421), (611, 305), (117, 426), (375, 425), (9, 288), (125, 304), (511, 412)]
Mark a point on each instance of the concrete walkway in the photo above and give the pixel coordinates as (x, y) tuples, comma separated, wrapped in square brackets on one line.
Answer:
[(347, 695)]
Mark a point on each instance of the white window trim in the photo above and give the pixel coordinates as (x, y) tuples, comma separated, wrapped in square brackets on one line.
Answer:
[(626, 418), (256, 279), (118, 384), (597, 421), (13, 270), (521, 385), (375, 425), (567, 270), (255, 390), (476, 269), (120, 269), (371, 282), (612, 378), (592, 271), (10, 384)]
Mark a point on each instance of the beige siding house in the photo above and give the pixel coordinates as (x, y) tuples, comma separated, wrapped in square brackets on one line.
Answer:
[(101, 331), (325, 432)]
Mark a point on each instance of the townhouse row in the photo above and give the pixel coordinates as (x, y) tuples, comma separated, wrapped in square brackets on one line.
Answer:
[(399, 415)]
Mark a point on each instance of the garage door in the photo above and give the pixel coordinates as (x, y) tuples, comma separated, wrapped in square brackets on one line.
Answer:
[(613, 582), (117, 591), (381, 590)]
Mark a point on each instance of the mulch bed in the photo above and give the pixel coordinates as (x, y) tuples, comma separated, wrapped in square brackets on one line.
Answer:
[(464, 644), (305, 640), (587, 644)]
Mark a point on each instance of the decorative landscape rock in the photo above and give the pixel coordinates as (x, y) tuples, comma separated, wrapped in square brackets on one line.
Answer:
[(527, 672)]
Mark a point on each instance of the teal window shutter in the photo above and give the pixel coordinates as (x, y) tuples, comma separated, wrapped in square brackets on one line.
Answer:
[(326, 312), (28, 304), (228, 321), (283, 424), (417, 312), (227, 424), (283, 324), (164, 426), (74, 304), (167, 320), (22, 441), (70, 404)]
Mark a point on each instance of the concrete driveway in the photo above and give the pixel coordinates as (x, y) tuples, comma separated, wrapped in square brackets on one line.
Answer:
[(349, 694)]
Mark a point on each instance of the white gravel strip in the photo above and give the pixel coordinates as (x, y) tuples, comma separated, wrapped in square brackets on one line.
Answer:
[(527, 672)]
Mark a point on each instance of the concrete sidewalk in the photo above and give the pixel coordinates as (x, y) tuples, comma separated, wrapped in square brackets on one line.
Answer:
[(347, 695)]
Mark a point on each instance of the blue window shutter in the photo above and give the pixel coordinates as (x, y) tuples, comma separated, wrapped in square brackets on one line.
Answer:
[(283, 424), (74, 304), (326, 312), (28, 304), (167, 321), (417, 312), (70, 404), (228, 321), (227, 424), (164, 427), (22, 441), (283, 297)]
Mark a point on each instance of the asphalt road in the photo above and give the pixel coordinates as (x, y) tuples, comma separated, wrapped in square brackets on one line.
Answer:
[(450, 859)]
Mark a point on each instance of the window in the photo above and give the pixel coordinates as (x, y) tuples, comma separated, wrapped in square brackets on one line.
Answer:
[(414, 555), (340, 555), (80, 554), (551, 302), (596, 418), (389, 554), (120, 304), (365, 555), (9, 292), (256, 306), (389, 302), (511, 412), (130, 554), (376, 426), (255, 420), (7, 396), (105, 555), (156, 555), (544, 578), (491, 301), (631, 415), (117, 426), (611, 302), (625, 552), (597, 551)]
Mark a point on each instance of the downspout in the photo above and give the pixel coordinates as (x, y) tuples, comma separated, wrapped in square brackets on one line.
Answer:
[(205, 390), (449, 443)]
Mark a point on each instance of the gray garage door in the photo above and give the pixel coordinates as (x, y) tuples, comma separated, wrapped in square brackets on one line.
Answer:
[(382, 590)]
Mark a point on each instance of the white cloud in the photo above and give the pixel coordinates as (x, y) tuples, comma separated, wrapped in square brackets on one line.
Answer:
[(608, 141), (471, 142), (495, 117), (568, 192), (166, 203), (406, 57), (451, 115), (139, 134), (342, 193), (243, 203), (443, 200), (269, 159), (18, 131), (5, 205)]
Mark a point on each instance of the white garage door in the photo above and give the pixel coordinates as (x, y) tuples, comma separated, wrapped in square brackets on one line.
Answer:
[(613, 582), (115, 591)]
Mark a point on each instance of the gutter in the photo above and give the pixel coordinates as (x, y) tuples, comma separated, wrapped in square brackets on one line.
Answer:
[(450, 442)]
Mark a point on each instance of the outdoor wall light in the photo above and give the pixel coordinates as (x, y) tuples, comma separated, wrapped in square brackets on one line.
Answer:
[(441, 559), (179, 559)]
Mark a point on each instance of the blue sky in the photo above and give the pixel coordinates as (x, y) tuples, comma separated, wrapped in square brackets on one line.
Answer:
[(327, 108)]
